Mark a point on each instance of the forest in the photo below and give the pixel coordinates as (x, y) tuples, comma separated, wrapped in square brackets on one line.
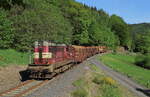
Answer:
[(66, 21), (69, 22)]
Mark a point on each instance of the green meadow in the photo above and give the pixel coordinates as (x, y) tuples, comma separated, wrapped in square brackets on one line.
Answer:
[(12, 57), (125, 64)]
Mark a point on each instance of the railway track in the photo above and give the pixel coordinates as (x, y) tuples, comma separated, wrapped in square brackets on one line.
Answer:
[(30, 86), (24, 88)]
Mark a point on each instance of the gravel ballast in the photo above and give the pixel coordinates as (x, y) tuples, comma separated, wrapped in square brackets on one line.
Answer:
[(61, 86)]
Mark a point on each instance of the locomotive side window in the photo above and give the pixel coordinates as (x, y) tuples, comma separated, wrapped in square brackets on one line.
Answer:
[(53, 51)]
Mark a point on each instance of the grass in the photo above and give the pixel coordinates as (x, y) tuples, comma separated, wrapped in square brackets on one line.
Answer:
[(96, 84), (125, 64), (11, 57)]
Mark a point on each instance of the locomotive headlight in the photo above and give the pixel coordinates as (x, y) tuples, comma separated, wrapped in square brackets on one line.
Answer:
[(47, 55), (36, 55)]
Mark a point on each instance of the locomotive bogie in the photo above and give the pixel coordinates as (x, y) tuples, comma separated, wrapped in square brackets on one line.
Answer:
[(39, 71)]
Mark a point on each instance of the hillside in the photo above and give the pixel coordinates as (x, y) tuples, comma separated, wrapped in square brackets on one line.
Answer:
[(24, 21), (141, 37), (140, 28), (69, 22)]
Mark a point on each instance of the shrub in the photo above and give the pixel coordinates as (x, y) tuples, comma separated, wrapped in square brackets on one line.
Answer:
[(109, 91), (143, 61), (79, 83), (80, 93), (96, 80), (109, 81), (104, 80)]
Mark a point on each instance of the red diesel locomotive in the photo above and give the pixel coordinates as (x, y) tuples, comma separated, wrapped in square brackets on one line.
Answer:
[(51, 59)]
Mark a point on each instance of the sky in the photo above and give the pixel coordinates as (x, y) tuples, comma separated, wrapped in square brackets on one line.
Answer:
[(132, 11)]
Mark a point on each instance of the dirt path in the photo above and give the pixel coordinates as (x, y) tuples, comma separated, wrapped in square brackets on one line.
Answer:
[(125, 81)]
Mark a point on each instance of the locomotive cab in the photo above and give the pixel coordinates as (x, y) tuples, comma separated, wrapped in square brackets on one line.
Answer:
[(41, 53), (40, 67)]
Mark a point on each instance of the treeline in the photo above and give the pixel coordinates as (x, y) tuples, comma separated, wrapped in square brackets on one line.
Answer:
[(141, 37), (141, 43), (62, 21)]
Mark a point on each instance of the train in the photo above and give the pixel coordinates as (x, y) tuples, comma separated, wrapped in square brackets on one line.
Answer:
[(50, 59)]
